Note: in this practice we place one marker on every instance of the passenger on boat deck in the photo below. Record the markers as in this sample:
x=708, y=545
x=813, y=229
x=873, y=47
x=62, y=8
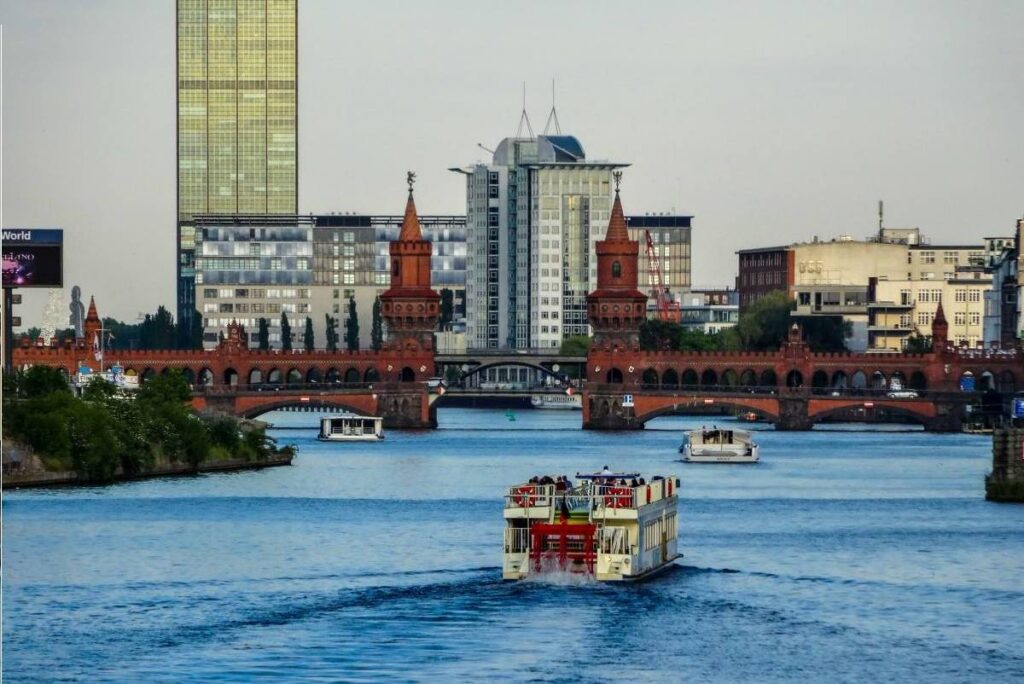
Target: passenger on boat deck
x=605, y=471
x=642, y=483
x=534, y=480
x=560, y=484
x=634, y=483
x=567, y=481
x=546, y=480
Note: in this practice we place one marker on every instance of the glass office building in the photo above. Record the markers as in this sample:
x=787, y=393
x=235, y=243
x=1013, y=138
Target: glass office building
x=237, y=123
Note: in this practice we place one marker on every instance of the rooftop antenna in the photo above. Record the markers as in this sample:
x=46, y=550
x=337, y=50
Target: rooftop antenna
x=881, y=209
x=485, y=149
x=553, y=116
x=524, y=118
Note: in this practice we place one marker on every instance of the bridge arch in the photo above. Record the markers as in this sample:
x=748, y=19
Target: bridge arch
x=649, y=378
x=878, y=380
x=189, y=375
x=230, y=377
x=918, y=381
x=748, y=378
x=614, y=376
x=690, y=378
x=729, y=378
x=765, y=407
x=894, y=407
x=670, y=378
x=332, y=376
x=859, y=380
x=819, y=380
x=352, y=376
x=839, y=380
x=987, y=381
x=206, y=377
x=794, y=378
x=480, y=367
x=709, y=378
x=1007, y=383
x=897, y=378
x=274, y=376
x=407, y=375
x=769, y=379
x=329, y=406
x=371, y=375
x=294, y=377
x=314, y=376
x=255, y=376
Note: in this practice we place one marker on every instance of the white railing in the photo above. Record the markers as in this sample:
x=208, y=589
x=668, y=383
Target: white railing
x=517, y=540
x=528, y=496
x=613, y=540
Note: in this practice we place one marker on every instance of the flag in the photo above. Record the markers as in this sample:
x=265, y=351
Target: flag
x=97, y=349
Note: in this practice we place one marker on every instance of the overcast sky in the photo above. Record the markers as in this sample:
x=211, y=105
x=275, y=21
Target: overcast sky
x=769, y=122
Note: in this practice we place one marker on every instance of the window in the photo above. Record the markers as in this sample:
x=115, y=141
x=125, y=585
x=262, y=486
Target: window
x=974, y=295
x=927, y=257
x=975, y=318
x=350, y=237
x=616, y=269
x=349, y=279
x=959, y=318
x=209, y=293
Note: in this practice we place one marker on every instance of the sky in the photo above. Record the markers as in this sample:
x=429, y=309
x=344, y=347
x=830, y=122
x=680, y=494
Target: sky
x=769, y=122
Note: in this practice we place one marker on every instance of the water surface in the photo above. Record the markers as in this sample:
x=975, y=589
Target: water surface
x=845, y=555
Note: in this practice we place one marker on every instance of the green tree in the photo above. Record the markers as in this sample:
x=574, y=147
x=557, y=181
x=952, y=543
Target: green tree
x=33, y=333
x=332, y=332
x=157, y=331
x=377, y=331
x=576, y=345
x=918, y=344
x=824, y=333
x=40, y=381
x=263, y=334
x=447, y=307
x=698, y=340
x=658, y=335
x=352, y=327
x=167, y=388
x=764, y=325
x=286, y=332
x=308, y=343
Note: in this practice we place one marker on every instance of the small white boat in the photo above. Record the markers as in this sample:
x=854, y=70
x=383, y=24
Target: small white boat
x=349, y=427
x=612, y=527
x=719, y=445
x=567, y=402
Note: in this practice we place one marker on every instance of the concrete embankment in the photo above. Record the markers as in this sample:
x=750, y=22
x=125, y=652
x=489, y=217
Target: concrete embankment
x=13, y=479
x=1006, y=481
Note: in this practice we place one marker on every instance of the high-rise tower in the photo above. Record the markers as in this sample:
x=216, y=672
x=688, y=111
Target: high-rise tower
x=237, y=126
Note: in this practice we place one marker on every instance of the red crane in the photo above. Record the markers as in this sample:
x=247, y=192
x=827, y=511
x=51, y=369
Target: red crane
x=668, y=308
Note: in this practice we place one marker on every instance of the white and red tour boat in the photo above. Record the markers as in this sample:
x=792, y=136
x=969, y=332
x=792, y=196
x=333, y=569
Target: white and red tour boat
x=610, y=526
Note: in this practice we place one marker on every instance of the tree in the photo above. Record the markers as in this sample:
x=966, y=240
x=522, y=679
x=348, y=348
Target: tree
x=33, y=333
x=166, y=388
x=698, y=340
x=307, y=337
x=40, y=381
x=189, y=333
x=377, y=331
x=764, y=325
x=352, y=327
x=332, y=332
x=263, y=334
x=447, y=307
x=577, y=345
x=286, y=332
x=825, y=333
x=918, y=344
x=157, y=331
x=658, y=335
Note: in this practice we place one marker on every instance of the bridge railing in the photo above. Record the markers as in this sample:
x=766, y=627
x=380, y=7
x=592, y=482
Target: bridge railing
x=322, y=387
x=772, y=390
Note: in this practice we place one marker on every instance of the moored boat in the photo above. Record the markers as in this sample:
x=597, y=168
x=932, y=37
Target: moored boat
x=566, y=402
x=719, y=445
x=609, y=526
x=349, y=427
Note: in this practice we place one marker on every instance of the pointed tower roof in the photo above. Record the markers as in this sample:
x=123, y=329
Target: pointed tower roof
x=92, y=315
x=940, y=316
x=411, y=221
x=617, y=223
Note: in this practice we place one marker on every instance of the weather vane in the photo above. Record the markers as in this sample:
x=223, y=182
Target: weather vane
x=618, y=179
x=410, y=178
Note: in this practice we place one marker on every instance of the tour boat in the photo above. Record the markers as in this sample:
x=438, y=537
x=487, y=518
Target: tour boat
x=349, y=427
x=608, y=526
x=719, y=445
x=557, y=401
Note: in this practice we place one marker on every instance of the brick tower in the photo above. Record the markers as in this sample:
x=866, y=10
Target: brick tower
x=940, y=331
x=410, y=308
x=93, y=324
x=617, y=308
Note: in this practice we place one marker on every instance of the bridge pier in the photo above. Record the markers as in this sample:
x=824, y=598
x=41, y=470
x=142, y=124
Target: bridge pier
x=948, y=417
x=793, y=415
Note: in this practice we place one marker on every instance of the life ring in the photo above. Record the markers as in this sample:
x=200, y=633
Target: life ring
x=525, y=496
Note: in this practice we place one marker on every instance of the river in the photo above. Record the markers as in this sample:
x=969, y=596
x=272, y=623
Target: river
x=859, y=554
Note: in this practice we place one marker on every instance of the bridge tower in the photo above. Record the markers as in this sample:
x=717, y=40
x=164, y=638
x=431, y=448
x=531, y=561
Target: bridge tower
x=940, y=331
x=410, y=308
x=617, y=308
x=93, y=324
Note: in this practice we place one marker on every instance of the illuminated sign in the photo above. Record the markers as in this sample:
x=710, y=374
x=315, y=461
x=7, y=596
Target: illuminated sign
x=33, y=257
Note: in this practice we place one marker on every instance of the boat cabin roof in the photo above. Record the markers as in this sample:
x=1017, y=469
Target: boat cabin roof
x=604, y=476
x=349, y=416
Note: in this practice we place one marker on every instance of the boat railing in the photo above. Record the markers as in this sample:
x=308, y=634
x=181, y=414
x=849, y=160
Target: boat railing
x=529, y=496
x=616, y=496
x=517, y=539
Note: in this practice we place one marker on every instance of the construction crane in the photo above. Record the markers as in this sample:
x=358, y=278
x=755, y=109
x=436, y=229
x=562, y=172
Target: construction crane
x=668, y=308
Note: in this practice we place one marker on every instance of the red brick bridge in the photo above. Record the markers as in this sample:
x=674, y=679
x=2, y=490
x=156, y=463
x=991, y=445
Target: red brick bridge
x=792, y=387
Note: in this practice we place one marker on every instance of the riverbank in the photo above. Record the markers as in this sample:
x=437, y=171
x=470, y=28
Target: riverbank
x=41, y=478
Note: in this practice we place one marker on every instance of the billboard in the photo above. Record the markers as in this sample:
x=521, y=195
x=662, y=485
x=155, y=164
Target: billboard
x=33, y=257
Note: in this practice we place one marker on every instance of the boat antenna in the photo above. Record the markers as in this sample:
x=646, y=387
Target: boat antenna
x=553, y=116
x=524, y=118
